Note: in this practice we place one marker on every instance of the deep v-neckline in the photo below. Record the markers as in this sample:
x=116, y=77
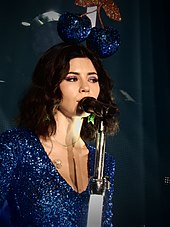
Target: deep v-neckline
x=58, y=173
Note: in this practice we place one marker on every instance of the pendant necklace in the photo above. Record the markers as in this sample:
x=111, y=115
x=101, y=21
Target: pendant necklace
x=57, y=162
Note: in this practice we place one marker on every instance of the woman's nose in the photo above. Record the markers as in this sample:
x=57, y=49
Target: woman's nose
x=84, y=86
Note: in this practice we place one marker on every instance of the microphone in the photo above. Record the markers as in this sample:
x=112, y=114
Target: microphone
x=92, y=105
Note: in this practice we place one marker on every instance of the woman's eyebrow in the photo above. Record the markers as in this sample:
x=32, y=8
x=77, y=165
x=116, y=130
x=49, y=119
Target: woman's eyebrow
x=76, y=73
x=92, y=73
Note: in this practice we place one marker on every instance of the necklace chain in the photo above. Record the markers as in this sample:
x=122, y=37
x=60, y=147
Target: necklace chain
x=64, y=145
x=58, y=162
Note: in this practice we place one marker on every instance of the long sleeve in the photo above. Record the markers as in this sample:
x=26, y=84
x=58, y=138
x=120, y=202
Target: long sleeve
x=108, y=200
x=8, y=163
x=36, y=193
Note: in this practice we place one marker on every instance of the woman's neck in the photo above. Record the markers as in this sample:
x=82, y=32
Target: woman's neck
x=68, y=129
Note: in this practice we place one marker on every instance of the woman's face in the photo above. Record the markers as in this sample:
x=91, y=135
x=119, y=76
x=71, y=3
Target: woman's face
x=81, y=81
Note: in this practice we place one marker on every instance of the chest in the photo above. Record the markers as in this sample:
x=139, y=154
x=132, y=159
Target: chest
x=45, y=199
x=72, y=164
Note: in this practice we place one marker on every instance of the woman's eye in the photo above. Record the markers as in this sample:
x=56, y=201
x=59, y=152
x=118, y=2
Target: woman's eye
x=93, y=79
x=71, y=78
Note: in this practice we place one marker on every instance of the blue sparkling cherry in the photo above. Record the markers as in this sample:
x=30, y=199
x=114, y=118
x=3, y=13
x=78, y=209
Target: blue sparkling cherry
x=73, y=27
x=104, y=41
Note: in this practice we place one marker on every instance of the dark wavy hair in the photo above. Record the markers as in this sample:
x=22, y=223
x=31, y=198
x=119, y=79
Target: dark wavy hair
x=37, y=106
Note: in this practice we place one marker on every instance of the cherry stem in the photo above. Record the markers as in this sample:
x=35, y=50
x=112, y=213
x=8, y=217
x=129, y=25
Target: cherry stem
x=99, y=14
x=88, y=13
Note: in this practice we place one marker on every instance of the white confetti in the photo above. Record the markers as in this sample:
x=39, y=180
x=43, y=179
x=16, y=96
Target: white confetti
x=25, y=24
x=50, y=16
x=127, y=96
x=43, y=18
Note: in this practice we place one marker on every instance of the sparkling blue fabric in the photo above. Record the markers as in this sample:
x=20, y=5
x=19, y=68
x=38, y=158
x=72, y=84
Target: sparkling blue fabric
x=73, y=28
x=36, y=193
x=105, y=42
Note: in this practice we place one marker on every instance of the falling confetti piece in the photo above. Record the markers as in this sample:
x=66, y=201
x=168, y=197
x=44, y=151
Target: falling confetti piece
x=43, y=18
x=26, y=24
x=127, y=96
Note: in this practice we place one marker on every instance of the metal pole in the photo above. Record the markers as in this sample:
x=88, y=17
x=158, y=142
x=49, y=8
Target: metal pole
x=99, y=183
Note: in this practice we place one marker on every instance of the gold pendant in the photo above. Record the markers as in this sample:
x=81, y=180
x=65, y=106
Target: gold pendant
x=58, y=163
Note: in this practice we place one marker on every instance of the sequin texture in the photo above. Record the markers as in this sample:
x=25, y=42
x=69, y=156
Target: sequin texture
x=73, y=27
x=104, y=41
x=37, y=194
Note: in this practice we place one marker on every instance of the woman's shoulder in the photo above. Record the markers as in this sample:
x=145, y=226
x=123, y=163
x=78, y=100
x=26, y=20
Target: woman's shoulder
x=17, y=142
x=14, y=132
x=14, y=135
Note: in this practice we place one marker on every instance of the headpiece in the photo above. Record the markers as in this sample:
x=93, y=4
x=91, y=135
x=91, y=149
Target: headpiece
x=76, y=28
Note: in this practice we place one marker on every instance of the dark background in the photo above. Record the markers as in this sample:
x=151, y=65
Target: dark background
x=140, y=68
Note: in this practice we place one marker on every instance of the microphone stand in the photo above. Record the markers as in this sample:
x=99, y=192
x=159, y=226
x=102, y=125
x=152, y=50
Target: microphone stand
x=99, y=183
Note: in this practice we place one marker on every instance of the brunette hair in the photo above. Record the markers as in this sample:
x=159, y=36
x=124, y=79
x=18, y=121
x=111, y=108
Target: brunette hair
x=37, y=107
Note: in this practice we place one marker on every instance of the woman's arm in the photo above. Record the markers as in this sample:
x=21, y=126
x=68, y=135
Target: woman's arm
x=108, y=199
x=8, y=162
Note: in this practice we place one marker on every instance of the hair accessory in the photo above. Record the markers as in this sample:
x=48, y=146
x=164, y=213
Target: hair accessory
x=75, y=28
x=110, y=8
x=91, y=118
x=104, y=41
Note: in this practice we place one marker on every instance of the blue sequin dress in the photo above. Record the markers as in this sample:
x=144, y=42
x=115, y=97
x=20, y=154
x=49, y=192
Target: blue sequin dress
x=37, y=195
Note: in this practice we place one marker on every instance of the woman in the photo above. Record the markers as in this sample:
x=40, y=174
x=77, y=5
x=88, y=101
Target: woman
x=46, y=162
